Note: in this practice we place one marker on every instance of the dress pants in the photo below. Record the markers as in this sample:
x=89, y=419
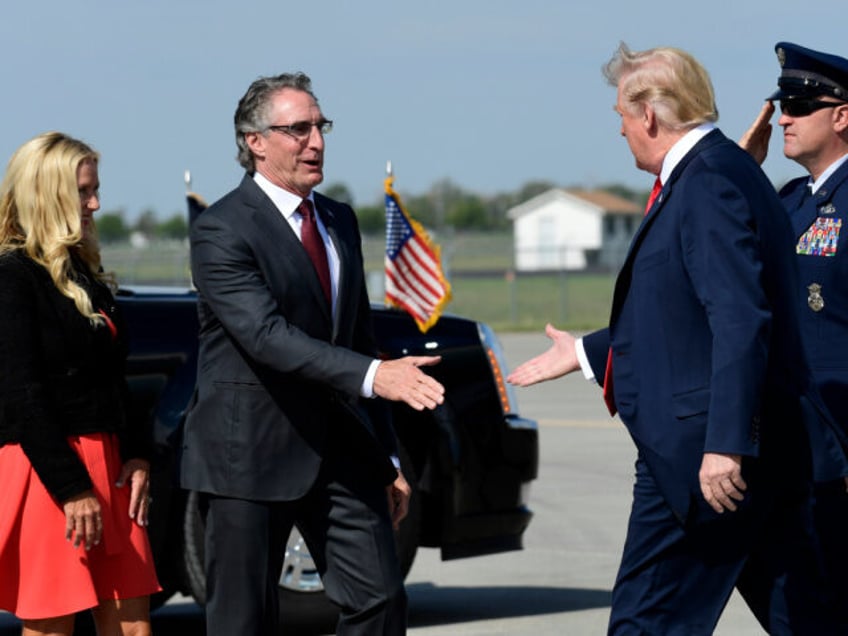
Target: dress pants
x=345, y=522
x=675, y=579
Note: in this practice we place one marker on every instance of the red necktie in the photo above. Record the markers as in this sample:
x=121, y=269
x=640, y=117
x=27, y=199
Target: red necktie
x=654, y=193
x=314, y=246
x=609, y=393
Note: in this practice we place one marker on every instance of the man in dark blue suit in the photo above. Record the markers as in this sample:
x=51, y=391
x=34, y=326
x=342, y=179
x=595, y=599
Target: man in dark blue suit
x=703, y=361
x=813, y=96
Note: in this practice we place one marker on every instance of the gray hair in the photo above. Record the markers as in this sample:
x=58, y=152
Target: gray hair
x=253, y=111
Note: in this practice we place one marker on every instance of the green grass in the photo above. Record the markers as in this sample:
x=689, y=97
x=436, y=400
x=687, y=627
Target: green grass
x=466, y=251
x=569, y=301
x=476, y=265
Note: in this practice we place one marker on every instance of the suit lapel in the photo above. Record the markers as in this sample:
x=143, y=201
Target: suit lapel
x=622, y=283
x=275, y=229
x=329, y=217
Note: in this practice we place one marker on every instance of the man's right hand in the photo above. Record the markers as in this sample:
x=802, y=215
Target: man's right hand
x=402, y=381
x=556, y=362
x=756, y=138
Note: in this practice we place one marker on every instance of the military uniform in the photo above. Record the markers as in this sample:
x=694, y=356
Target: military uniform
x=820, y=222
x=819, y=217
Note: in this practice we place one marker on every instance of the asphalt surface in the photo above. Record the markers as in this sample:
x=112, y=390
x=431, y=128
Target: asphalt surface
x=560, y=584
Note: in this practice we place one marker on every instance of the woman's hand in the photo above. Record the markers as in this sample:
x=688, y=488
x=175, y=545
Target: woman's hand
x=137, y=472
x=83, y=519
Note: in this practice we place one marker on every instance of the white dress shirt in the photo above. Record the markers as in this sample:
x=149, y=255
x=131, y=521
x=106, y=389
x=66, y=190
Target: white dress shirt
x=287, y=203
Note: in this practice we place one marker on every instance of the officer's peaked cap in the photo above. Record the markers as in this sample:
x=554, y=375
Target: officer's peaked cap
x=806, y=73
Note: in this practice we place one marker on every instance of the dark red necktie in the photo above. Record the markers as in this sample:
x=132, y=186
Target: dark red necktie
x=314, y=246
x=609, y=393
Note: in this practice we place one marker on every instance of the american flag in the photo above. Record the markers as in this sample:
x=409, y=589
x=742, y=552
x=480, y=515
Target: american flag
x=414, y=278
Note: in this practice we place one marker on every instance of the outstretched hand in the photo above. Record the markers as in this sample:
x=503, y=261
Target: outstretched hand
x=756, y=138
x=402, y=381
x=556, y=362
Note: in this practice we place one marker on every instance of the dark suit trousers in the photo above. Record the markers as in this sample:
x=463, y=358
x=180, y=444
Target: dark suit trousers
x=676, y=579
x=346, y=525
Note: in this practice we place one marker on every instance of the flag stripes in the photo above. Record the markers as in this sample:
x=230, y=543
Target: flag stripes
x=414, y=278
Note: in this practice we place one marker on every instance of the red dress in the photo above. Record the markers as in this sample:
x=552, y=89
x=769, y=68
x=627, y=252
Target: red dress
x=42, y=575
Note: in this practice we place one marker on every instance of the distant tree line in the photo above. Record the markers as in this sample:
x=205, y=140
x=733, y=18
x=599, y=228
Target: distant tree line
x=445, y=205
x=112, y=227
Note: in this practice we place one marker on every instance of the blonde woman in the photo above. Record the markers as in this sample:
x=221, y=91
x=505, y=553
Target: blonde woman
x=73, y=465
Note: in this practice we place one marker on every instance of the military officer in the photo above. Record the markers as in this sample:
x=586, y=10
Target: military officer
x=813, y=99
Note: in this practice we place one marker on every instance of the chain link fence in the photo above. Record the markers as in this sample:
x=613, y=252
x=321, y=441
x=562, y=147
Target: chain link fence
x=479, y=267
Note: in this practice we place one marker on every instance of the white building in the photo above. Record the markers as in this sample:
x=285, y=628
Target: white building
x=573, y=229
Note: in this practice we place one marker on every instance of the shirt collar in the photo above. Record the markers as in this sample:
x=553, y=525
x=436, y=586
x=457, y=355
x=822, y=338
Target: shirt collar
x=681, y=147
x=286, y=202
x=815, y=185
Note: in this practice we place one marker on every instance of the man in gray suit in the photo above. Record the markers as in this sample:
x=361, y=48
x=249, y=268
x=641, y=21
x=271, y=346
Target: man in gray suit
x=282, y=429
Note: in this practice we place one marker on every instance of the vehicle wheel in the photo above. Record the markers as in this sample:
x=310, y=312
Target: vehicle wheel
x=302, y=600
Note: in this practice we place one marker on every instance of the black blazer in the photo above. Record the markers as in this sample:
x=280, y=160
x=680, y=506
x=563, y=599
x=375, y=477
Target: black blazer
x=276, y=373
x=59, y=375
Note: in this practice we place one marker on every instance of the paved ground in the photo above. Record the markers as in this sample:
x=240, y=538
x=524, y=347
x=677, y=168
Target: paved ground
x=560, y=583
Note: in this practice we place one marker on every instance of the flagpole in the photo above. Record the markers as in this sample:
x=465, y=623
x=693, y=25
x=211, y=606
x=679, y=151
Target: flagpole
x=387, y=185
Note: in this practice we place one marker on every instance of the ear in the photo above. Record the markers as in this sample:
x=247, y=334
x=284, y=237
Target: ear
x=840, y=118
x=649, y=119
x=256, y=142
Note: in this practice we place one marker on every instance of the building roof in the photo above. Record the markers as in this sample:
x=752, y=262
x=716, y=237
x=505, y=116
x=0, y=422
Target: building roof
x=600, y=200
x=609, y=202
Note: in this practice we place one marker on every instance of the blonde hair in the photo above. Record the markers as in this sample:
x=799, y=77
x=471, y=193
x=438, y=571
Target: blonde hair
x=40, y=212
x=673, y=82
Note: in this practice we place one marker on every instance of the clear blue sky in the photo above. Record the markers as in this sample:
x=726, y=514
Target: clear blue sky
x=488, y=93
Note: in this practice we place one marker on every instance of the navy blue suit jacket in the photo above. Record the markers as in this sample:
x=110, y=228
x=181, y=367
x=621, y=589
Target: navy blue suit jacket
x=706, y=348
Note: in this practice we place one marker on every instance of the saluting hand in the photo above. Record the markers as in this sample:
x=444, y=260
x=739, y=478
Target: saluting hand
x=756, y=138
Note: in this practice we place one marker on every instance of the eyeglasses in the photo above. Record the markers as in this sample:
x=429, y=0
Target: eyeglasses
x=804, y=107
x=301, y=130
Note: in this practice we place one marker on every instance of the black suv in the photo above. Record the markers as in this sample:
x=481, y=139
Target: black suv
x=470, y=461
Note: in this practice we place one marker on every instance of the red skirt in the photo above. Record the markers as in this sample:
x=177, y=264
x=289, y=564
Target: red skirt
x=42, y=575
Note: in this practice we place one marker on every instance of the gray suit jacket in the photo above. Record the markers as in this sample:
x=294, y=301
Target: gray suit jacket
x=276, y=373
